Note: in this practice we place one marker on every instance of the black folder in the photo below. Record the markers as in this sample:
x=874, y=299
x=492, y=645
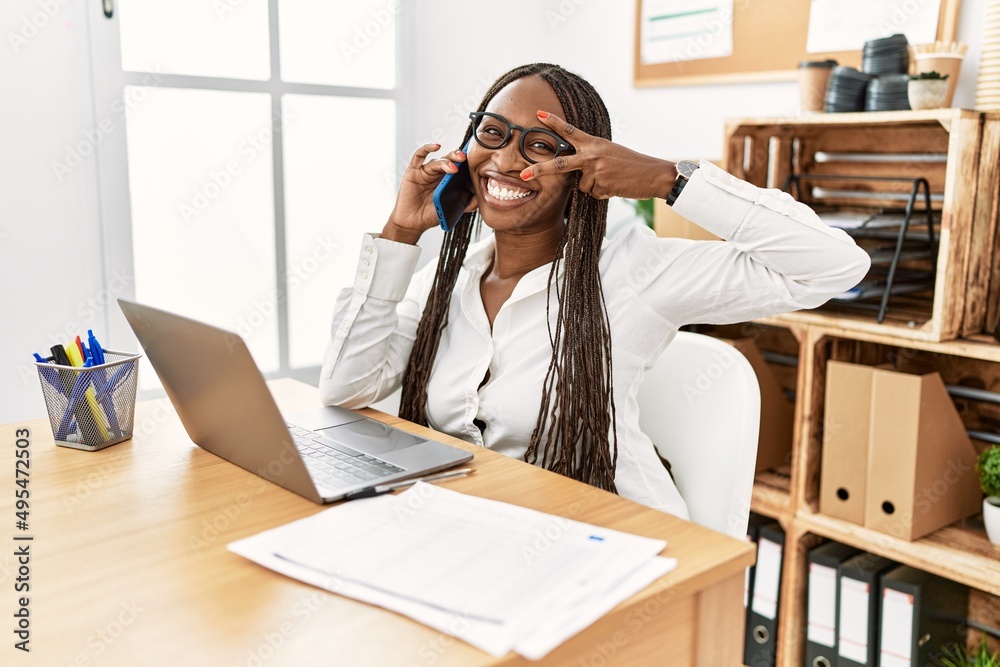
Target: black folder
x=921, y=613
x=858, y=597
x=761, y=641
x=821, y=634
x=753, y=531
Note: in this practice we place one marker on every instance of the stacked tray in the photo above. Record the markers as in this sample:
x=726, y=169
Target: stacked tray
x=888, y=93
x=846, y=90
x=888, y=55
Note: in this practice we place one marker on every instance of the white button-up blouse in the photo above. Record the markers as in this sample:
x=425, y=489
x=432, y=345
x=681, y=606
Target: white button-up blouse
x=776, y=256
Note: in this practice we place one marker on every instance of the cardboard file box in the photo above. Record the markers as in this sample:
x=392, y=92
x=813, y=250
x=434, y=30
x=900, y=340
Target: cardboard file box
x=845, y=441
x=896, y=455
x=921, y=462
x=777, y=413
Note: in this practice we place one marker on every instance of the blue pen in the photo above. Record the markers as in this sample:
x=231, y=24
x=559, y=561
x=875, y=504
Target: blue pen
x=103, y=387
x=75, y=395
x=49, y=374
x=95, y=348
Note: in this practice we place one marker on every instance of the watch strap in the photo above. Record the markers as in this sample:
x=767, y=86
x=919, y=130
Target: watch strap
x=685, y=169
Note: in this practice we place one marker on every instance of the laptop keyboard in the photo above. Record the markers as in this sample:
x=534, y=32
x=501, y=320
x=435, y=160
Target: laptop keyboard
x=336, y=466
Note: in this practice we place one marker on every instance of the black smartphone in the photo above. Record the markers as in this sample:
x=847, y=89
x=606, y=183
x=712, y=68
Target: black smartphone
x=454, y=193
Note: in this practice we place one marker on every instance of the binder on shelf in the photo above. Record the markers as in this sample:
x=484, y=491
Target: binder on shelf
x=844, y=476
x=921, y=613
x=916, y=433
x=821, y=596
x=761, y=641
x=753, y=534
x=858, y=609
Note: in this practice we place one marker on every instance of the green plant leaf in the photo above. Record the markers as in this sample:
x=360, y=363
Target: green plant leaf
x=644, y=209
x=988, y=466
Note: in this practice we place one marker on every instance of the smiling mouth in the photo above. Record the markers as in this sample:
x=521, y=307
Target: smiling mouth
x=506, y=192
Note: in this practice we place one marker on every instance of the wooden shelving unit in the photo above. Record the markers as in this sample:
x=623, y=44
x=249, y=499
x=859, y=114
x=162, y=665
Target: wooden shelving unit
x=958, y=151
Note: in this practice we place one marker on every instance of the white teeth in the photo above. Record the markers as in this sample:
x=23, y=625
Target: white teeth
x=504, y=193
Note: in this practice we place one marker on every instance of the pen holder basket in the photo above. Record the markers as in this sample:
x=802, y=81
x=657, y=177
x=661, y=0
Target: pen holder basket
x=91, y=408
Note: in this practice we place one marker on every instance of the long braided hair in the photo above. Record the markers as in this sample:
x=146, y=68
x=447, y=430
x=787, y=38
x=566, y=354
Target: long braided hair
x=575, y=432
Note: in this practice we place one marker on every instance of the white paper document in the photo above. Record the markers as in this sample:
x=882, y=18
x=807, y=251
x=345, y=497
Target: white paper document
x=845, y=25
x=497, y=576
x=680, y=30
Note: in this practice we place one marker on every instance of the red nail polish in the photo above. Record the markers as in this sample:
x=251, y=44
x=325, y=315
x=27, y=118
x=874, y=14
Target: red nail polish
x=543, y=114
x=526, y=174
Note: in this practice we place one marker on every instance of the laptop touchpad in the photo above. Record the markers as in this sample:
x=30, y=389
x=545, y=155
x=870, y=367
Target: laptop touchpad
x=371, y=437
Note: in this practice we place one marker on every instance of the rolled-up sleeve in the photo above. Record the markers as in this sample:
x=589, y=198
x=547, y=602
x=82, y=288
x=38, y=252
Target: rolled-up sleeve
x=776, y=256
x=374, y=325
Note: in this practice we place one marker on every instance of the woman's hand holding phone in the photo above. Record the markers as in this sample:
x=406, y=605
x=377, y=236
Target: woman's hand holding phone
x=414, y=211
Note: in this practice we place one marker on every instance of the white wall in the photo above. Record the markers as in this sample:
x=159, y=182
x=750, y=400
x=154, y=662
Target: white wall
x=595, y=39
x=51, y=276
x=51, y=281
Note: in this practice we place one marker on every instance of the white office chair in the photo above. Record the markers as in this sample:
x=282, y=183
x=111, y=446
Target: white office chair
x=700, y=404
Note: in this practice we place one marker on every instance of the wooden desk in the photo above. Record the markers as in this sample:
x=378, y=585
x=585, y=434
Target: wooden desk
x=129, y=566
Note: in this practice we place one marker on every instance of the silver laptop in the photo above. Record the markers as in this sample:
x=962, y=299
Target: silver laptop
x=227, y=409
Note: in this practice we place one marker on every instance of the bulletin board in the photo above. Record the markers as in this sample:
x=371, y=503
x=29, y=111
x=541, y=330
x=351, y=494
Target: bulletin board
x=768, y=43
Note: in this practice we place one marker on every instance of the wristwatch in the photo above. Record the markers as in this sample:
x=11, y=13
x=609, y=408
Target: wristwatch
x=685, y=169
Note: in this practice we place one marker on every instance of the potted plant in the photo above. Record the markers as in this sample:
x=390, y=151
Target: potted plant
x=927, y=90
x=989, y=478
x=643, y=210
x=955, y=655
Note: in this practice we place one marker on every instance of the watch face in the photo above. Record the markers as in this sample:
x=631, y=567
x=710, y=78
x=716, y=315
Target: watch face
x=686, y=168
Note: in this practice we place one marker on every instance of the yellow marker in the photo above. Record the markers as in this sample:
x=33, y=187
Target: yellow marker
x=73, y=352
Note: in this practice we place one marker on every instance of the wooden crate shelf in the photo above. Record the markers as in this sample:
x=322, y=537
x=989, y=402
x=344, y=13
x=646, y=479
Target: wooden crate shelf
x=956, y=150
x=959, y=552
x=952, y=331
x=772, y=494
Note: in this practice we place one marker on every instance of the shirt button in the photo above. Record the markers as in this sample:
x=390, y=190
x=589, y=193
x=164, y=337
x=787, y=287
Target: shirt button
x=364, y=276
x=368, y=248
x=366, y=262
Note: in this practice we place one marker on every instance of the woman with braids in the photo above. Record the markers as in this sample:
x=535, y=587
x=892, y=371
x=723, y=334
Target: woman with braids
x=533, y=341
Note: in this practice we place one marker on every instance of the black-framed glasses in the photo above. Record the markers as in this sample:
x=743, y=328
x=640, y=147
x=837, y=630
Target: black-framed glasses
x=536, y=143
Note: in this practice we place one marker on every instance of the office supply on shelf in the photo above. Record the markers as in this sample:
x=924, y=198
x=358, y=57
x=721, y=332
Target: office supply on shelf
x=821, y=633
x=223, y=402
x=917, y=433
x=761, y=644
x=451, y=560
x=844, y=474
x=858, y=603
x=753, y=535
x=894, y=280
x=921, y=613
x=380, y=489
